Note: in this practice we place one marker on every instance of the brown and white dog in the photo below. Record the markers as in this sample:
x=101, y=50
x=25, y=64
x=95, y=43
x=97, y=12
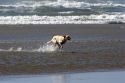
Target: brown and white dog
x=59, y=40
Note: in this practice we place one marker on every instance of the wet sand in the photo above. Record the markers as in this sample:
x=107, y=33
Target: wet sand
x=93, y=48
x=96, y=77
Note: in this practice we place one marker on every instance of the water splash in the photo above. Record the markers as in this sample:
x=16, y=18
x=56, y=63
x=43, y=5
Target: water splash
x=47, y=48
x=19, y=49
x=43, y=48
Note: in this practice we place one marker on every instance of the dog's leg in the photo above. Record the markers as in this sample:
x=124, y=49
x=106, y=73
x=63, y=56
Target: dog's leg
x=59, y=45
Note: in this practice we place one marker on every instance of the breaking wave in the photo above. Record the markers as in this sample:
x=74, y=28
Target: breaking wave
x=84, y=19
x=62, y=12
x=55, y=7
x=63, y=3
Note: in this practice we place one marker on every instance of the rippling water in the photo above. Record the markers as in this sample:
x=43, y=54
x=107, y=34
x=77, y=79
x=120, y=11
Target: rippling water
x=23, y=48
x=103, y=10
x=60, y=7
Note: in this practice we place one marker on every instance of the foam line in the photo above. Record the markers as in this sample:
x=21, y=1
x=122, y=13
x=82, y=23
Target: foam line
x=63, y=3
x=85, y=19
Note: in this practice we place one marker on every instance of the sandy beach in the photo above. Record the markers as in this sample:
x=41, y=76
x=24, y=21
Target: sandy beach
x=98, y=77
x=95, y=53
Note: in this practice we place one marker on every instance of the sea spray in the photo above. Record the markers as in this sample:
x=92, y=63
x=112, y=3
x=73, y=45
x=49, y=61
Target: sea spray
x=47, y=48
x=19, y=49
x=43, y=48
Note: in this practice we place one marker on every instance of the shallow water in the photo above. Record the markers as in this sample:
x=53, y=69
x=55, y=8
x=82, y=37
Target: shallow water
x=92, y=47
x=96, y=77
x=75, y=56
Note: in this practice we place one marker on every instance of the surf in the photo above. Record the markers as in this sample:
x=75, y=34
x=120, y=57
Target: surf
x=84, y=19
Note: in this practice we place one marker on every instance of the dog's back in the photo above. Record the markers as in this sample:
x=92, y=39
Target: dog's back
x=59, y=40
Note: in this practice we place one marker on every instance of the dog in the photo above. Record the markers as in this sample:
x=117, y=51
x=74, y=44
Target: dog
x=59, y=40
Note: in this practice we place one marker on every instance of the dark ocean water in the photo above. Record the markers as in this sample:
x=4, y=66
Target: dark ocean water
x=103, y=10
x=60, y=7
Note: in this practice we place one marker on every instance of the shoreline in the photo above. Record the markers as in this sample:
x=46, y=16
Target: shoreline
x=89, y=77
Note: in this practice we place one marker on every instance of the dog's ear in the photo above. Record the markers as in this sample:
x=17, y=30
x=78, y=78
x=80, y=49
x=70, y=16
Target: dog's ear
x=67, y=37
x=64, y=36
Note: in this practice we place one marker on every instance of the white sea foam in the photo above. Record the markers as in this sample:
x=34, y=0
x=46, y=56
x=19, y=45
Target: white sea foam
x=63, y=3
x=68, y=12
x=19, y=49
x=85, y=19
x=12, y=49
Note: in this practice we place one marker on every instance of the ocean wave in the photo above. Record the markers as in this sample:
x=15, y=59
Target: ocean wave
x=84, y=19
x=65, y=4
x=67, y=12
x=60, y=7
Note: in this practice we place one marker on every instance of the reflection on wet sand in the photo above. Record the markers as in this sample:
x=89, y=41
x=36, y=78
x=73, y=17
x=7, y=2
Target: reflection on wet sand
x=91, y=77
x=60, y=78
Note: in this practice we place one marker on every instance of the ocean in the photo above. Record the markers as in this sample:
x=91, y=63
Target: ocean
x=62, y=11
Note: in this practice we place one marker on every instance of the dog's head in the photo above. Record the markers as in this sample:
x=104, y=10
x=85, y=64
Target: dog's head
x=67, y=37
